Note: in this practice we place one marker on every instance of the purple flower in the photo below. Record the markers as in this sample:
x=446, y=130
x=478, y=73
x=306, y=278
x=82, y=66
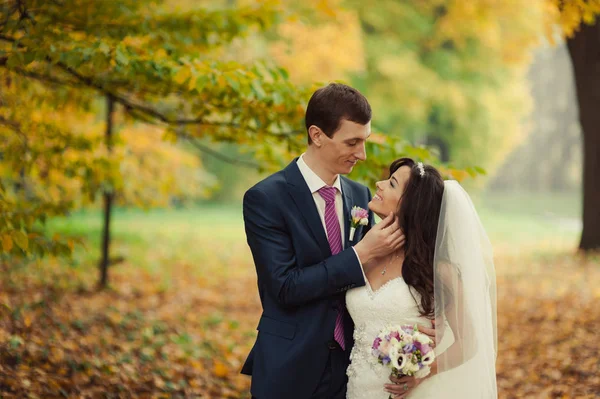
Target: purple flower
x=359, y=213
x=376, y=343
x=408, y=329
x=395, y=334
x=386, y=360
x=409, y=348
x=425, y=349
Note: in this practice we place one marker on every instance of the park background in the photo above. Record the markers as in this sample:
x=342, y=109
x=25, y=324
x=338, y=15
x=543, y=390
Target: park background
x=129, y=131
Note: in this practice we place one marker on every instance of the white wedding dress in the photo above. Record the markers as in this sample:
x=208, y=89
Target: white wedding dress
x=465, y=298
x=392, y=304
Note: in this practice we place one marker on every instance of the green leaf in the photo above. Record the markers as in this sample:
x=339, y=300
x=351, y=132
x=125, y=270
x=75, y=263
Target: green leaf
x=471, y=171
x=13, y=60
x=235, y=85
x=28, y=57
x=170, y=136
x=201, y=82
x=258, y=90
x=121, y=57
x=20, y=239
x=104, y=48
x=15, y=341
x=284, y=73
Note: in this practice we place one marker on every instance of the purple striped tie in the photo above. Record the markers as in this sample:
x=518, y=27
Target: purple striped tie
x=334, y=236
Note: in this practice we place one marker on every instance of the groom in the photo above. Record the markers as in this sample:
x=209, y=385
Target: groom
x=297, y=225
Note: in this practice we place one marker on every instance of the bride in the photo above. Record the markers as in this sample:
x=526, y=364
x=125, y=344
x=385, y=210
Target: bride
x=443, y=277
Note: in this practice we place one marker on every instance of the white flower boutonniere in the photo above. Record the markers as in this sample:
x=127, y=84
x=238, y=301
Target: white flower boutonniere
x=360, y=217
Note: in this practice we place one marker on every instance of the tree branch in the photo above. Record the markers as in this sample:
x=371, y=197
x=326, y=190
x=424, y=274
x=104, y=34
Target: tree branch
x=17, y=129
x=128, y=104
x=8, y=39
x=199, y=146
x=219, y=156
x=47, y=78
x=12, y=124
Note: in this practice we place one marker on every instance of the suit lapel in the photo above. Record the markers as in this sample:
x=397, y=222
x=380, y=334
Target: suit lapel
x=347, y=196
x=303, y=198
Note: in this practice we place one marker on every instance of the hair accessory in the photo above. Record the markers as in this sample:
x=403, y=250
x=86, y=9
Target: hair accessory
x=421, y=169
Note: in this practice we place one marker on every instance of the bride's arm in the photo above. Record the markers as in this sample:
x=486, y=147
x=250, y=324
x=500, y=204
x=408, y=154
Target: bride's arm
x=460, y=321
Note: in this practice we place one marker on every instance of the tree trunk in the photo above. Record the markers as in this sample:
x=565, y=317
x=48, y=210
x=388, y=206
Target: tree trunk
x=584, y=49
x=108, y=200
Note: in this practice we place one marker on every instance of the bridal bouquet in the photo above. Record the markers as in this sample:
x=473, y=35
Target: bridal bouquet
x=405, y=350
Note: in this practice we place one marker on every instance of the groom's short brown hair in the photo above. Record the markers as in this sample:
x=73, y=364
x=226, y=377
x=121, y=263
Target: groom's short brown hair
x=334, y=102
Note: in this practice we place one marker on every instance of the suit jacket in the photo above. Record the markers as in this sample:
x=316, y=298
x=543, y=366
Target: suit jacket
x=299, y=282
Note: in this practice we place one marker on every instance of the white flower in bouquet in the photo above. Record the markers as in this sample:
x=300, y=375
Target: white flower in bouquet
x=405, y=350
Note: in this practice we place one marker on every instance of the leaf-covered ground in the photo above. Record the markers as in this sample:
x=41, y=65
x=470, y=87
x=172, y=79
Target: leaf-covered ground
x=182, y=310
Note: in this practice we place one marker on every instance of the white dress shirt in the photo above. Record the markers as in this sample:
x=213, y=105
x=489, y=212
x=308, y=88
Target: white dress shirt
x=315, y=183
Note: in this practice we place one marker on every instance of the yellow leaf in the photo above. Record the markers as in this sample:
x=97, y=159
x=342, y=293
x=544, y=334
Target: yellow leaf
x=159, y=382
x=182, y=75
x=161, y=53
x=378, y=138
x=220, y=369
x=7, y=243
x=192, y=83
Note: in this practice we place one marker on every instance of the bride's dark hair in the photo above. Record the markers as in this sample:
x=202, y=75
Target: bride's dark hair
x=418, y=214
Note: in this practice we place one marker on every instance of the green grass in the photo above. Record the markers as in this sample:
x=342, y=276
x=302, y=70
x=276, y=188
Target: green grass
x=155, y=238
x=547, y=205
x=524, y=220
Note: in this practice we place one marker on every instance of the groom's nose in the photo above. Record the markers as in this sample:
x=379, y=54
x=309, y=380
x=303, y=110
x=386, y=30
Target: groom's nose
x=361, y=153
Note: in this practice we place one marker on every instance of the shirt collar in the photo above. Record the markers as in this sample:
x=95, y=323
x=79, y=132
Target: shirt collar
x=315, y=183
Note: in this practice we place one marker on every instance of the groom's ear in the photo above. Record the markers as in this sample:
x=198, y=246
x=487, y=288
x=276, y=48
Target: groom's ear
x=316, y=135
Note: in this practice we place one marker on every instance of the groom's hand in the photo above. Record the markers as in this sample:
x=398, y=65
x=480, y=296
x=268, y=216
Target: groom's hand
x=383, y=238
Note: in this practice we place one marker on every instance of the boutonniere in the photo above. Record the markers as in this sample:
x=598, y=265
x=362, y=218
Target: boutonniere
x=359, y=217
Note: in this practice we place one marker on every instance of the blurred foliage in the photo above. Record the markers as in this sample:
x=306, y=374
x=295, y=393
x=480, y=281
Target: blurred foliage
x=163, y=66
x=449, y=73
x=232, y=179
x=184, y=330
x=569, y=16
x=328, y=49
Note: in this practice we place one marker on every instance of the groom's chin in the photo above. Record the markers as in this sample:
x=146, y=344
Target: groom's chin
x=347, y=170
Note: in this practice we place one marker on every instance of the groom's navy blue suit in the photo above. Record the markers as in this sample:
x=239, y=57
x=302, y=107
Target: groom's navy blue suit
x=299, y=283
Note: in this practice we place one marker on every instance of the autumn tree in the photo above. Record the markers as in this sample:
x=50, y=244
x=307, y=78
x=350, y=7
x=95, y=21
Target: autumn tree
x=449, y=73
x=336, y=47
x=580, y=25
x=134, y=62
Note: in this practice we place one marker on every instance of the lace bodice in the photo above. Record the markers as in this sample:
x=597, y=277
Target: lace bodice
x=371, y=311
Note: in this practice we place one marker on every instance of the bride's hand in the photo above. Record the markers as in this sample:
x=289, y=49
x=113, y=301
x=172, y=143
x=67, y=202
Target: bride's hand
x=402, y=386
x=430, y=332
